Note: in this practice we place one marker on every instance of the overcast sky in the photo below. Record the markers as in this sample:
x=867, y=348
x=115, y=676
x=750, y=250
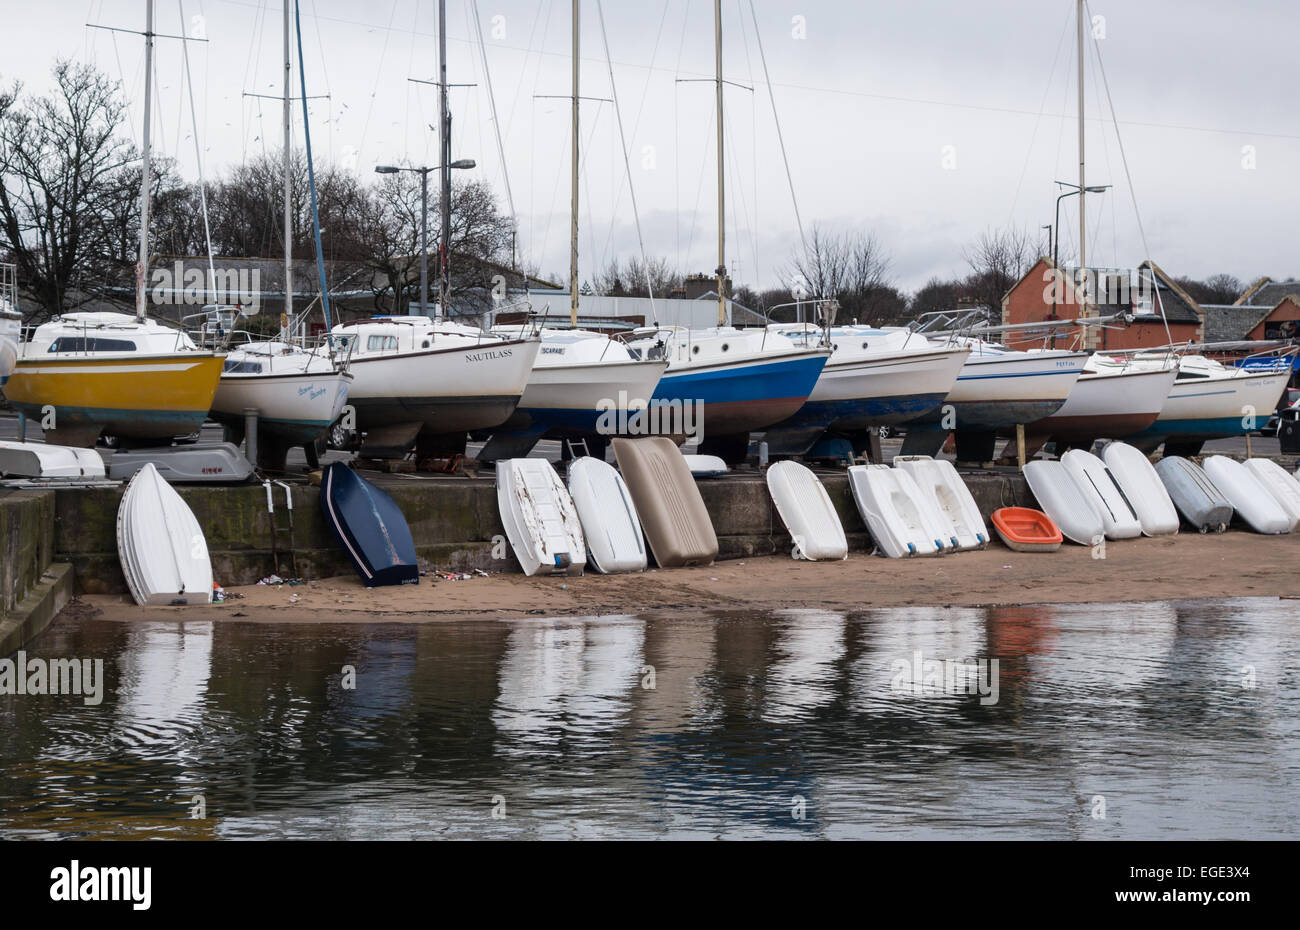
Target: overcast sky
x=926, y=122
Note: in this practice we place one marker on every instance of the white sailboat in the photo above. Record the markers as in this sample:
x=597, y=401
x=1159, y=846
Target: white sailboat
x=873, y=378
x=429, y=380
x=296, y=394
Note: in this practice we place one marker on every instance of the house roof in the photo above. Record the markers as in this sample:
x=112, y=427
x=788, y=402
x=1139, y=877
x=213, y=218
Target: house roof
x=1231, y=322
x=1271, y=293
x=1178, y=305
x=1227, y=322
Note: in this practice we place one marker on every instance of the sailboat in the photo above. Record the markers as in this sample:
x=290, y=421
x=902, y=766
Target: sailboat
x=296, y=393
x=430, y=380
x=11, y=321
x=582, y=380
x=873, y=378
x=1207, y=400
x=89, y=373
x=740, y=380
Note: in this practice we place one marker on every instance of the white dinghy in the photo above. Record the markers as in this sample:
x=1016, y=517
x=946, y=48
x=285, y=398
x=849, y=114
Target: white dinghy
x=1146, y=493
x=1061, y=498
x=939, y=479
x=1118, y=519
x=539, y=518
x=1248, y=495
x=610, y=524
x=902, y=521
x=1284, y=488
x=1194, y=494
x=163, y=552
x=46, y=460
x=807, y=512
x=705, y=466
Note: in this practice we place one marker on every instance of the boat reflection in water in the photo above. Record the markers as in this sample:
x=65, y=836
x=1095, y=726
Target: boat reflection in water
x=723, y=723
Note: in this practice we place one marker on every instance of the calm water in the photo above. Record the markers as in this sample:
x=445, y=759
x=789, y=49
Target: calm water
x=793, y=724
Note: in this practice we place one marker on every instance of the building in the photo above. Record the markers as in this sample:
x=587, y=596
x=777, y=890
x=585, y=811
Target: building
x=1153, y=309
x=1237, y=322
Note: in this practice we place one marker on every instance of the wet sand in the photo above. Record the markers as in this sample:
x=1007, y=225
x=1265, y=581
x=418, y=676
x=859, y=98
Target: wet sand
x=1235, y=564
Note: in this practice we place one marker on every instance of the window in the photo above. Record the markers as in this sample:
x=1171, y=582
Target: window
x=242, y=368
x=381, y=344
x=91, y=344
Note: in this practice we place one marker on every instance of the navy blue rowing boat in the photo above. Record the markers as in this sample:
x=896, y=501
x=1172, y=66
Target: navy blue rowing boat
x=370, y=528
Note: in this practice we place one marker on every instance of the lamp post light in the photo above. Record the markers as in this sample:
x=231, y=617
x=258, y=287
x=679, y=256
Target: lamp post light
x=463, y=163
x=1056, y=226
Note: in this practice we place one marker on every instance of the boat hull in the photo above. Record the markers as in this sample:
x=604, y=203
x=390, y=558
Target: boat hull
x=148, y=397
x=298, y=407
x=581, y=398
x=370, y=528
x=995, y=392
x=1111, y=406
x=445, y=390
x=738, y=397
x=1204, y=409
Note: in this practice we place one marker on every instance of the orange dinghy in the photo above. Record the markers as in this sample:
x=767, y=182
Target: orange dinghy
x=1026, y=530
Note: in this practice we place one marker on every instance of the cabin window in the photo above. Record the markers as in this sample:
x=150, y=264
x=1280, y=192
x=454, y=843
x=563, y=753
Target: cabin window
x=696, y=350
x=425, y=344
x=91, y=344
x=725, y=347
x=381, y=344
x=242, y=368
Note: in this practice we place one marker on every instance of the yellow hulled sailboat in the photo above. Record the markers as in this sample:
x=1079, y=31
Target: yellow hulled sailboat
x=84, y=374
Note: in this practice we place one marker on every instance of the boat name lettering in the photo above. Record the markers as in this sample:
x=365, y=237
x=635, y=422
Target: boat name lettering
x=489, y=355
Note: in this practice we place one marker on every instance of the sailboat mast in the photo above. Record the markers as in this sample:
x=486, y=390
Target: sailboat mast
x=722, y=197
x=142, y=267
x=1083, y=242
x=288, y=180
x=573, y=179
x=444, y=282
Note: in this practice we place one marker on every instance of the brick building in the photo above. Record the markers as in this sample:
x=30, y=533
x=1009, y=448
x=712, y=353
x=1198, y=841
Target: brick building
x=1048, y=292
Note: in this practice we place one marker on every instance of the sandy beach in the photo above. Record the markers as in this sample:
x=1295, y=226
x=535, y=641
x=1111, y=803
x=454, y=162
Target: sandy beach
x=1188, y=565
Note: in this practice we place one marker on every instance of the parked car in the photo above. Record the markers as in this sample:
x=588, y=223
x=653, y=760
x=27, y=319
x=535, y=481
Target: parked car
x=1290, y=399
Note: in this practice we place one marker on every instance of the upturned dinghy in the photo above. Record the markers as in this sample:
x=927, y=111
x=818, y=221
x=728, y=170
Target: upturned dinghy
x=807, y=512
x=902, y=521
x=1098, y=485
x=1194, y=495
x=1063, y=500
x=1249, y=497
x=1026, y=530
x=1137, y=478
x=609, y=521
x=540, y=519
x=677, y=526
x=163, y=552
x=1284, y=488
x=370, y=528
x=46, y=460
x=939, y=479
x=705, y=466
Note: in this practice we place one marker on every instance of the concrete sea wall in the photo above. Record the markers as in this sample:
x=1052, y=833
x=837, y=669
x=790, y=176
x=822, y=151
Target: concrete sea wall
x=33, y=588
x=453, y=520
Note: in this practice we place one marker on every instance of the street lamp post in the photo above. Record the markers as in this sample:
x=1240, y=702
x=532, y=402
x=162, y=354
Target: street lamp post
x=1056, y=227
x=424, y=218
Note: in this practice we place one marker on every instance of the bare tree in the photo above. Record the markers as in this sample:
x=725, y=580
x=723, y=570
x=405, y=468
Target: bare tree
x=852, y=267
x=62, y=163
x=636, y=278
x=998, y=259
